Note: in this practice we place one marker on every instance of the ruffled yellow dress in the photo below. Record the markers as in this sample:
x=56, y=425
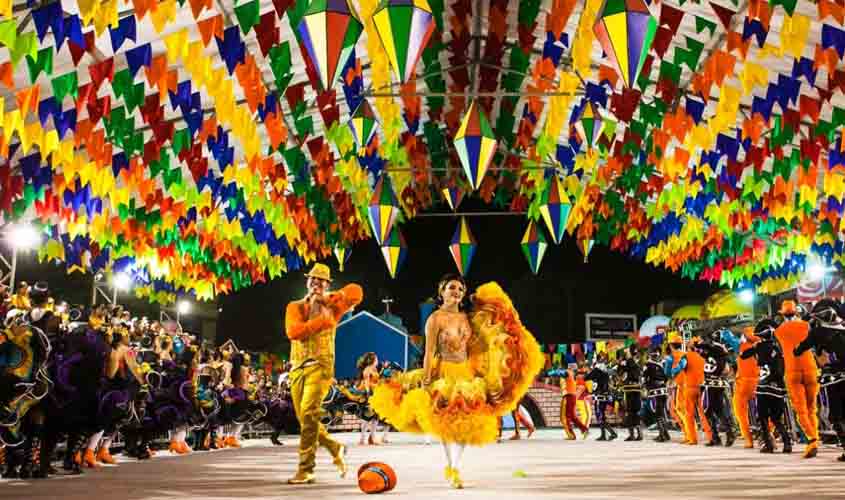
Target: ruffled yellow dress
x=465, y=400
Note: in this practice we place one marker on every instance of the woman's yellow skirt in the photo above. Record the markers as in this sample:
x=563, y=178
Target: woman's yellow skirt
x=465, y=400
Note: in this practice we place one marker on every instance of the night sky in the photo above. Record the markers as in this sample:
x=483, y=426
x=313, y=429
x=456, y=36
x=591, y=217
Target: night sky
x=552, y=305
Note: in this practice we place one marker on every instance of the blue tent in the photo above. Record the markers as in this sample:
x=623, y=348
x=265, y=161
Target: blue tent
x=364, y=332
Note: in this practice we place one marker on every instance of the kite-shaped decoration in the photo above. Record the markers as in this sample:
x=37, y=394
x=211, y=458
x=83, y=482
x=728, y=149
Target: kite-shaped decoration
x=363, y=125
x=453, y=195
x=394, y=250
x=475, y=144
x=585, y=245
x=534, y=246
x=328, y=32
x=625, y=29
x=383, y=209
x=404, y=27
x=555, y=208
x=463, y=247
x=590, y=125
x=342, y=253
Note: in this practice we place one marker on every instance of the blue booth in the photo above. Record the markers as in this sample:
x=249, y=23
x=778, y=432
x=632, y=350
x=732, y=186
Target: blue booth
x=363, y=332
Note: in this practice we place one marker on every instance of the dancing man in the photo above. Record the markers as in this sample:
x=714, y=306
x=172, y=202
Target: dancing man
x=771, y=392
x=747, y=375
x=310, y=325
x=827, y=339
x=654, y=380
x=801, y=374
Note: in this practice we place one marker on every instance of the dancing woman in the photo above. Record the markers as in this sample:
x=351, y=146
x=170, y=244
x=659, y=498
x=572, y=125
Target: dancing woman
x=477, y=367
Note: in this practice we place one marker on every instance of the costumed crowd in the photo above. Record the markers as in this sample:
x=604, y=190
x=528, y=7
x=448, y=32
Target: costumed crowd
x=781, y=379
x=80, y=377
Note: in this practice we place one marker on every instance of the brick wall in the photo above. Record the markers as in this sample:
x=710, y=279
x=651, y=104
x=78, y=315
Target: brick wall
x=547, y=399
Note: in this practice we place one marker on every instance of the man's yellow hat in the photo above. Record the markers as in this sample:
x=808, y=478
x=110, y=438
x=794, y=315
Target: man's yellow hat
x=675, y=338
x=320, y=271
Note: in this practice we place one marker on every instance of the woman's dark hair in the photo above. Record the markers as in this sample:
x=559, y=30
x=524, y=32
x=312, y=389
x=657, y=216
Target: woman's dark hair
x=365, y=361
x=438, y=299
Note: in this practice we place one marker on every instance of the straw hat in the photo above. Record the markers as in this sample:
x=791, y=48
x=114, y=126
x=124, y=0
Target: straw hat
x=320, y=271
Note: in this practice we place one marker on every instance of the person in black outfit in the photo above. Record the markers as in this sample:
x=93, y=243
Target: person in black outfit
x=632, y=390
x=771, y=390
x=600, y=376
x=654, y=381
x=827, y=339
x=715, y=388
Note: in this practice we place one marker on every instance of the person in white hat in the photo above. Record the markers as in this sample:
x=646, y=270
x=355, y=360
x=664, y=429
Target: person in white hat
x=310, y=325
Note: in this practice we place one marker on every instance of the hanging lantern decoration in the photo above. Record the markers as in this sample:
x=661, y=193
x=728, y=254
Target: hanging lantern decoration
x=383, y=209
x=585, y=245
x=555, y=208
x=590, y=125
x=476, y=144
x=328, y=32
x=625, y=29
x=363, y=125
x=534, y=246
x=404, y=27
x=394, y=250
x=463, y=247
x=342, y=253
x=453, y=195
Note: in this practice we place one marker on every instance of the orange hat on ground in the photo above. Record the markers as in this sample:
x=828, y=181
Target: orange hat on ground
x=376, y=477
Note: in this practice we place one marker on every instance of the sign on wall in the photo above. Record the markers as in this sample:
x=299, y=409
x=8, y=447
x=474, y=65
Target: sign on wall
x=610, y=326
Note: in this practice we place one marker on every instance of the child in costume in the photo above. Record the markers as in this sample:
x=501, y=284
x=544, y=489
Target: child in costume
x=568, y=417
x=477, y=367
x=368, y=366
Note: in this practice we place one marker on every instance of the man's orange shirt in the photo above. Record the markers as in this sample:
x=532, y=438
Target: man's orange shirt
x=694, y=369
x=789, y=335
x=680, y=378
x=568, y=383
x=747, y=368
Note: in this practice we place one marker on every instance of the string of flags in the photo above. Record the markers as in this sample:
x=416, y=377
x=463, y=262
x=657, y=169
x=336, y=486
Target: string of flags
x=154, y=143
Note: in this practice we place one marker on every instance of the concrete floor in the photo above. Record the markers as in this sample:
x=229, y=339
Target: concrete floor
x=552, y=468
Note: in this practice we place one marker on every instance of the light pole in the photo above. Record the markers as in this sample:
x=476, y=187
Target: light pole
x=21, y=237
x=747, y=297
x=183, y=307
x=120, y=282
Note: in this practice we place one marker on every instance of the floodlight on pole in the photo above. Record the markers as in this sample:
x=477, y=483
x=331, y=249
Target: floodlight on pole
x=120, y=282
x=182, y=307
x=21, y=237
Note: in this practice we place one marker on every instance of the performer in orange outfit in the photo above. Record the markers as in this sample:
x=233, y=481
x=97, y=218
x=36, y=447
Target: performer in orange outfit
x=747, y=375
x=567, y=405
x=692, y=364
x=801, y=374
x=310, y=325
x=677, y=407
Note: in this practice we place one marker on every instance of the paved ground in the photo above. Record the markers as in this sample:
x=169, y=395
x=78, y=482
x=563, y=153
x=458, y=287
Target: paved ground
x=552, y=469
